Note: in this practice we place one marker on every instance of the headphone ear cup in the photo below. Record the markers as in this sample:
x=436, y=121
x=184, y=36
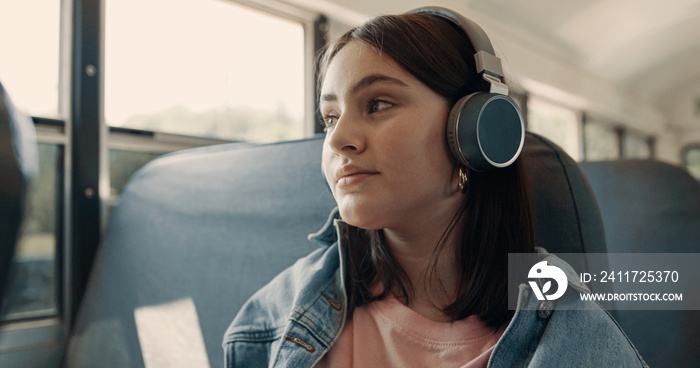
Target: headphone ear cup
x=485, y=131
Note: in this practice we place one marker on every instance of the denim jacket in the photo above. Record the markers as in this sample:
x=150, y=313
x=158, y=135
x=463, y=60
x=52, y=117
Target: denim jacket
x=295, y=319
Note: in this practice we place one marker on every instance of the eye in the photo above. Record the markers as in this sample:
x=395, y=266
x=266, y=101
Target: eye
x=378, y=105
x=329, y=121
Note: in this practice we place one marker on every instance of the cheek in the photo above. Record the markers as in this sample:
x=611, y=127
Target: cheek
x=427, y=147
x=325, y=162
x=431, y=158
x=327, y=166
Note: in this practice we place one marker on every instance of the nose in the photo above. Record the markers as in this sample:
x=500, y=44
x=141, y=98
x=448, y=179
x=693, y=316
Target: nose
x=346, y=136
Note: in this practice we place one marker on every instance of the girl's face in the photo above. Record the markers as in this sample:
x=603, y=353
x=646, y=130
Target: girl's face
x=385, y=155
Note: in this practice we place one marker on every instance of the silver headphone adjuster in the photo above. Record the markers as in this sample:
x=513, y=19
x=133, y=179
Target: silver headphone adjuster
x=496, y=85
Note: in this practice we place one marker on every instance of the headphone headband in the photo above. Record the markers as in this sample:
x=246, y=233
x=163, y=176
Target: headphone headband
x=487, y=63
x=485, y=130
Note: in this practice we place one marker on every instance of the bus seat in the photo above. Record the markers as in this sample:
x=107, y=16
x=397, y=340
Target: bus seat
x=652, y=207
x=19, y=161
x=203, y=229
x=196, y=233
x=566, y=214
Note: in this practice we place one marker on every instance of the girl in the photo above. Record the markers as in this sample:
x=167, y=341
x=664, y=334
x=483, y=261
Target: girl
x=413, y=267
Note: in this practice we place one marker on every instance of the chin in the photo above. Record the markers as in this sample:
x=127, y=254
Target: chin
x=364, y=219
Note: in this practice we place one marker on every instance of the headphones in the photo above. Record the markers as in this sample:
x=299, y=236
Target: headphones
x=485, y=130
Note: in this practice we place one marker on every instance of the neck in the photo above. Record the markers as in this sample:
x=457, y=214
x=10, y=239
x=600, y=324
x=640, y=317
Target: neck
x=417, y=251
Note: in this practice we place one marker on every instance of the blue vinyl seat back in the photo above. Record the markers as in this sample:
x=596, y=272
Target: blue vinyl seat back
x=213, y=225
x=652, y=207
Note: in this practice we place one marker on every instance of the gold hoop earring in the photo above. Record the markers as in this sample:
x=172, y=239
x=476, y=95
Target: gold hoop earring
x=463, y=180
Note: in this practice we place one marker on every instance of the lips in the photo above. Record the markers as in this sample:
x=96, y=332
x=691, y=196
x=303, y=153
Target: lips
x=351, y=175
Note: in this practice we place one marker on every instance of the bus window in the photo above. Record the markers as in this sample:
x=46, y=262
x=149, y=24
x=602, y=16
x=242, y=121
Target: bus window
x=29, y=65
x=635, y=146
x=556, y=123
x=33, y=284
x=601, y=141
x=691, y=160
x=209, y=68
x=29, y=70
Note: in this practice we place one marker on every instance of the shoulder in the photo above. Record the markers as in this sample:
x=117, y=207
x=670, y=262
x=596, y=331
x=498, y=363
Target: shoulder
x=266, y=313
x=566, y=332
x=584, y=332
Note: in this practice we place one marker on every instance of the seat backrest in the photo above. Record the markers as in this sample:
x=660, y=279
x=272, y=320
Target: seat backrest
x=566, y=214
x=207, y=226
x=652, y=207
x=196, y=233
x=18, y=163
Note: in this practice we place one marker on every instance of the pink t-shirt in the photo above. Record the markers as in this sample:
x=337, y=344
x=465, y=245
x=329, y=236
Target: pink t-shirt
x=387, y=333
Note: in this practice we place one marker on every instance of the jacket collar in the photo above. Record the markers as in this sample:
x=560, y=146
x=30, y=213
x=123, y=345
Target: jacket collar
x=571, y=275
x=327, y=235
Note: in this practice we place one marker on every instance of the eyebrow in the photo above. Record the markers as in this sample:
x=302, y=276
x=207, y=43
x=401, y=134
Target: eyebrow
x=366, y=82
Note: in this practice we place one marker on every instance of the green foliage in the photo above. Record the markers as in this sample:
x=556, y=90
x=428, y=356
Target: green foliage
x=240, y=123
x=122, y=164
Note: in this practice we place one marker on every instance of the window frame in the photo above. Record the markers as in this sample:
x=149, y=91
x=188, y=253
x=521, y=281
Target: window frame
x=50, y=329
x=86, y=141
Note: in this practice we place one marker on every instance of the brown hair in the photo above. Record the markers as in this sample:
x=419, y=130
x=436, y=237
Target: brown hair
x=494, y=218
